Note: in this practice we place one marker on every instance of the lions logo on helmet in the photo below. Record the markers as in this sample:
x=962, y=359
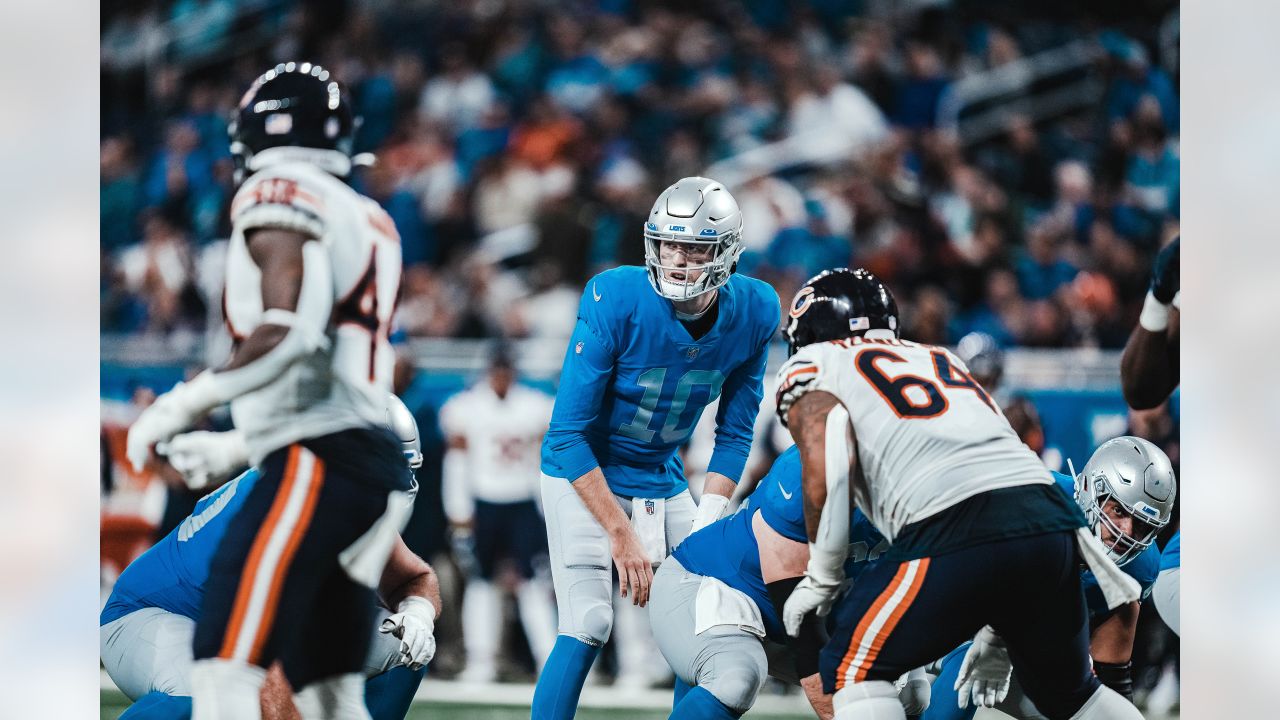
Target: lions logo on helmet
x=1138, y=478
x=698, y=216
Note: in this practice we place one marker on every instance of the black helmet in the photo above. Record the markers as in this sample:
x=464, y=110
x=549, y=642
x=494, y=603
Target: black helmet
x=294, y=105
x=837, y=304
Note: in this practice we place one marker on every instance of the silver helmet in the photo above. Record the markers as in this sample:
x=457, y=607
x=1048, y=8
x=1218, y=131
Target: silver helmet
x=405, y=428
x=1138, y=477
x=700, y=214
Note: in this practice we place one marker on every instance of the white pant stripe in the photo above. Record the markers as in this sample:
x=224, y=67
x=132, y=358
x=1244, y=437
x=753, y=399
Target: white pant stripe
x=271, y=555
x=882, y=618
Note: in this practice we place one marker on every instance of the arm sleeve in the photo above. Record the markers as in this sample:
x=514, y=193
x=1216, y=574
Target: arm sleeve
x=736, y=417
x=586, y=373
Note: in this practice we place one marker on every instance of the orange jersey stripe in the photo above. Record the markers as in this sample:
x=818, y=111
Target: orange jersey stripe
x=255, y=555
x=878, y=642
x=277, y=581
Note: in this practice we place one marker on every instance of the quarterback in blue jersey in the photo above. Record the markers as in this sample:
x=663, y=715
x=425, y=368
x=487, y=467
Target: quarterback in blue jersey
x=717, y=603
x=1127, y=492
x=652, y=347
x=148, y=622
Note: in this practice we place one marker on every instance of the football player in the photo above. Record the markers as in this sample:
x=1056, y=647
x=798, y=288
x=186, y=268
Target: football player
x=149, y=621
x=493, y=430
x=313, y=272
x=1149, y=365
x=1126, y=491
x=978, y=533
x=651, y=348
x=717, y=603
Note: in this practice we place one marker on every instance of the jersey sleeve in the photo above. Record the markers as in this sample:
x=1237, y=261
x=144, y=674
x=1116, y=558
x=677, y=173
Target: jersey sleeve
x=584, y=377
x=805, y=372
x=279, y=199
x=781, y=506
x=736, y=417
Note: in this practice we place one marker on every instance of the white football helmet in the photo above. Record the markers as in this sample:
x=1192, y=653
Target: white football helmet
x=401, y=423
x=1138, y=476
x=700, y=212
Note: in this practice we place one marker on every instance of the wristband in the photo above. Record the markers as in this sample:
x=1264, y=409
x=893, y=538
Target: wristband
x=1117, y=677
x=1155, y=314
x=417, y=605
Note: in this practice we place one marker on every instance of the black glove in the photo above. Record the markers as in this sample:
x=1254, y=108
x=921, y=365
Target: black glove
x=1117, y=677
x=1164, y=274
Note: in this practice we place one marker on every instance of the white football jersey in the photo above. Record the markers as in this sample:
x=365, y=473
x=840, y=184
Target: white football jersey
x=504, y=439
x=344, y=384
x=928, y=436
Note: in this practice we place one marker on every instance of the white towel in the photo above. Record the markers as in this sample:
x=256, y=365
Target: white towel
x=1117, y=587
x=649, y=520
x=719, y=604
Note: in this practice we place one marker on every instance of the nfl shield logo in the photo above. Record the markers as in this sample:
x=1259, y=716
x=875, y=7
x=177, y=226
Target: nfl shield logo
x=691, y=353
x=578, y=348
x=648, y=507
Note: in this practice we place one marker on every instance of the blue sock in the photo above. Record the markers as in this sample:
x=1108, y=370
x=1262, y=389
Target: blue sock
x=699, y=704
x=943, y=698
x=555, y=697
x=682, y=689
x=389, y=695
x=159, y=706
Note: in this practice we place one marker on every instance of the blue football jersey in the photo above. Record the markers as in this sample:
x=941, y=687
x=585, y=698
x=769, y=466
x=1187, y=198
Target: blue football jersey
x=1144, y=568
x=727, y=549
x=171, y=575
x=1172, y=555
x=634, y=383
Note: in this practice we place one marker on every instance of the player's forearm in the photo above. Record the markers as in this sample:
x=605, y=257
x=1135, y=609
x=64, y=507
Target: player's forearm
x=717, y=484
x=595, y=494
x=1146, y=374
x=1112, y=641
x=425, y=585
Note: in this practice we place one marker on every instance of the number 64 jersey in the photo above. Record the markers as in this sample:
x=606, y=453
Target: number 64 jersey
x=928, y=436
x=344, y=382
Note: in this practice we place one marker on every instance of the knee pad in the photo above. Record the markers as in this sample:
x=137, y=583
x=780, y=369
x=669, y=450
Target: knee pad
x=1107, y=704
x=593, y=621
x=871, y=700
x=734, y=680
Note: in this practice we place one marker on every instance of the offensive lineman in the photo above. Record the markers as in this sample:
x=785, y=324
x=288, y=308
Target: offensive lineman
x=717, y=604
x=493, y=430
x=1126, y=491
x=149, y=620
x=978, y=533
x=313, y=271
x=651, y=348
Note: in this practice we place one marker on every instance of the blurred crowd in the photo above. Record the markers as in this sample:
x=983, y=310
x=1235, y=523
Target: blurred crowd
x=520, y=143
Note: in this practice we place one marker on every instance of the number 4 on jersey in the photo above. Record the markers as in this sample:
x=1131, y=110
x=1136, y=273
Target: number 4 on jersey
x=894, y=390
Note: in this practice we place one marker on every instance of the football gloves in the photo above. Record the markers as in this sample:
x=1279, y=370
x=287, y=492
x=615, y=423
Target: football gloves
x=414, y=624
x=1164, y=274
x=985, y=672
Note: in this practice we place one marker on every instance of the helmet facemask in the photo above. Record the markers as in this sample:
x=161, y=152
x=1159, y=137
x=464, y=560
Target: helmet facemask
x=721, y=255
x=1093, y=492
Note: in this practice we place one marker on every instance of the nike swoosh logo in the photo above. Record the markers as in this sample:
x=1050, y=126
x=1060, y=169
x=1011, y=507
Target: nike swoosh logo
x=595, y=294
x=784, y=492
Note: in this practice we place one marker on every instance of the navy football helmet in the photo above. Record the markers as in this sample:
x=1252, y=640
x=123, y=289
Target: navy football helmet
x=837, y=304
x=293, y=112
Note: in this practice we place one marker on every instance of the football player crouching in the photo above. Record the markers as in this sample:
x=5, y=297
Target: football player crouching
x=1127, y=492
x=148, y=623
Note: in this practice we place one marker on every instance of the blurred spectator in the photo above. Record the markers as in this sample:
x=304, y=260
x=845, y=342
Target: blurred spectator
x=519, y=152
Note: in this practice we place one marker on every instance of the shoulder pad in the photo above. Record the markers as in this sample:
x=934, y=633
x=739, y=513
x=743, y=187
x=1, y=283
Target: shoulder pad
x=280, y=198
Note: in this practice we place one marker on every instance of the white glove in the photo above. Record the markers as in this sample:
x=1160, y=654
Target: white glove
x=414, y=624
x=169, y=415
x=809, y=596
x=206, y=458
x=985, y=672
x=710, y=507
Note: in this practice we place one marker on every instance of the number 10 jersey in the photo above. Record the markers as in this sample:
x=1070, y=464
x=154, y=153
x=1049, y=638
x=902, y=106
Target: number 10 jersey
x=928, y=436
